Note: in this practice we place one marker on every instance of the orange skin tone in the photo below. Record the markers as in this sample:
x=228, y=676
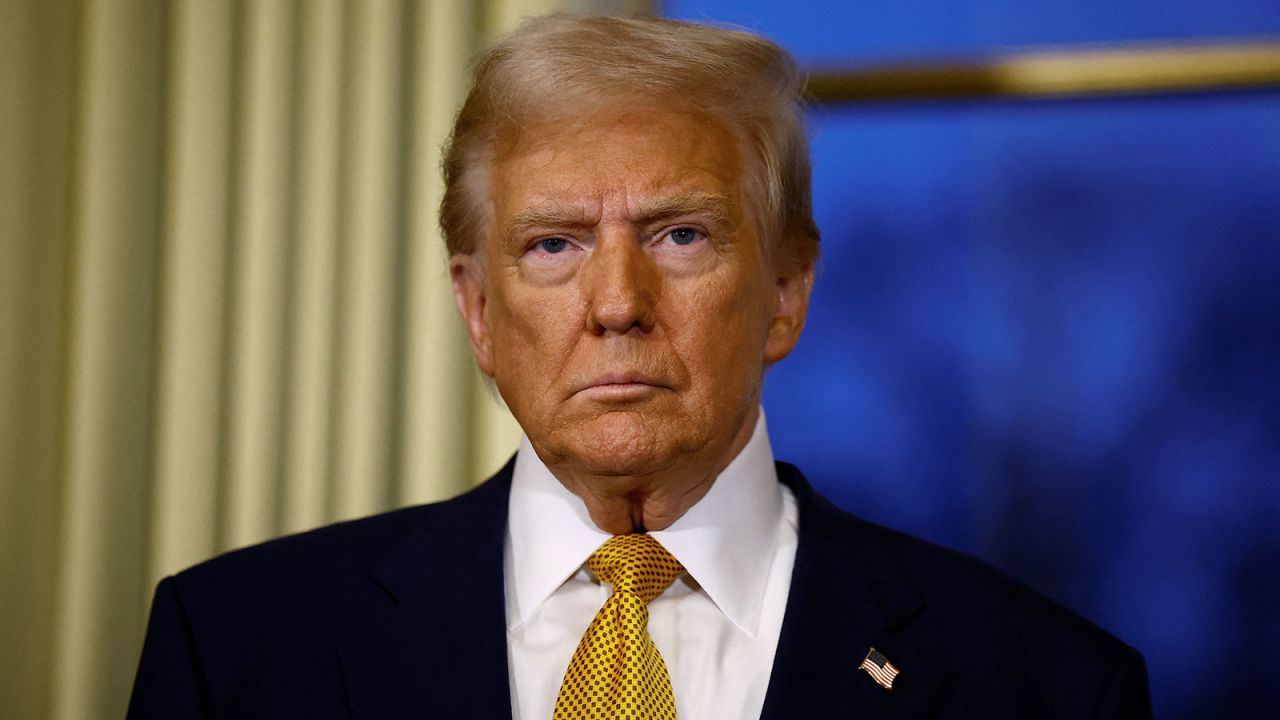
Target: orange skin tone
x=625, y=305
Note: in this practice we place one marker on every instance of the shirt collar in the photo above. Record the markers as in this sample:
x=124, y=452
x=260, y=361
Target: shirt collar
x=726, y=541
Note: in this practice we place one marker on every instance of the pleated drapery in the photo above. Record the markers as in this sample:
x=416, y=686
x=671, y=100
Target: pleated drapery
x=224, y=307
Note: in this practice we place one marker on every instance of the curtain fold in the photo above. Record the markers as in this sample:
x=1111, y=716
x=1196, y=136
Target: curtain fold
x=115, y=245
x=225, y=312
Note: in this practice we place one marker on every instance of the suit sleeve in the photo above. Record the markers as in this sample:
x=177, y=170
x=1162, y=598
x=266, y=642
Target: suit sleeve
x=169, y=683
x=1127, y=695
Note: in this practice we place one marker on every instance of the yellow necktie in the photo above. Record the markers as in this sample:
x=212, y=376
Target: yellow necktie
x=616, y=672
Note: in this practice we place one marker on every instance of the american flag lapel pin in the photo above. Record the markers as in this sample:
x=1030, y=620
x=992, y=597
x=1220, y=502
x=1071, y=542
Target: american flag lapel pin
x=879, y=668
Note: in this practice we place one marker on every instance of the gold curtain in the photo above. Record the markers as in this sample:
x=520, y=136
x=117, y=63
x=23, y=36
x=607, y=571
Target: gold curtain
x=224, y=307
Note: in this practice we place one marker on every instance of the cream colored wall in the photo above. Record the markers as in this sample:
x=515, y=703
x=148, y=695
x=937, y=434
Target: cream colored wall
x=224, y=308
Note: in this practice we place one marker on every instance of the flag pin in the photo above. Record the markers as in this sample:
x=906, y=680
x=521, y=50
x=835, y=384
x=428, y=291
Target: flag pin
x=879, y=668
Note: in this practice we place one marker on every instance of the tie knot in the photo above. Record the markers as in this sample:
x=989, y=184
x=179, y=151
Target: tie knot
x=635, y=564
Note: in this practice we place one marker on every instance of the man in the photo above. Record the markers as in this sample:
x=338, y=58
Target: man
x=627, y=215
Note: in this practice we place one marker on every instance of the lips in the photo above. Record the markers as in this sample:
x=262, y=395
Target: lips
x=624, y=378
x=621, y=384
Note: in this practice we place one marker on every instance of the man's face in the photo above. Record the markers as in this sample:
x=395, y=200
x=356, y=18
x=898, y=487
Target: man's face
x=622, y=299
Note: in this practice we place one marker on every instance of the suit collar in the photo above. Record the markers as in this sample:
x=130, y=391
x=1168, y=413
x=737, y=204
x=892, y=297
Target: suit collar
x=848, y=593
x=427, y=636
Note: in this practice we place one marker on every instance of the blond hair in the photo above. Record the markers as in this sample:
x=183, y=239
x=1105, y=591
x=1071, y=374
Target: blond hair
x=582, y=63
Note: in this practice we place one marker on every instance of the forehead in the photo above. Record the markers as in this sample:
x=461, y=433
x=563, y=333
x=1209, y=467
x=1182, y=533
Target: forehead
x=624, y=157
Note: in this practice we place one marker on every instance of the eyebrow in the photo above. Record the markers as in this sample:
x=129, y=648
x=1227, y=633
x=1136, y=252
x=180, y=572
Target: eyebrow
x=715, y=207
x=712, y=206
x=548, y=215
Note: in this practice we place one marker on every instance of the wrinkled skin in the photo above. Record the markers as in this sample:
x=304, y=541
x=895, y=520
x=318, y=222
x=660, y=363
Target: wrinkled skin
x=626, y=306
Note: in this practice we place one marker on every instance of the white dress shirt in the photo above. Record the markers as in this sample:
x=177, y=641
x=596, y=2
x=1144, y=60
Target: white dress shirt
x=717, y=626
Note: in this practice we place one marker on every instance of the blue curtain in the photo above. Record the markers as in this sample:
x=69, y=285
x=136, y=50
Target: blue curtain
x=1048, y=333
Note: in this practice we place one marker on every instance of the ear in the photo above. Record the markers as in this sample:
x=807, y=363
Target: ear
x=793, y=288
x=467, y=273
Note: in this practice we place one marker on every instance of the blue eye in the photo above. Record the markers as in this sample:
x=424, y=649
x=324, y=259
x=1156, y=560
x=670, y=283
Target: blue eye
x=553, y=245
x=683, y=236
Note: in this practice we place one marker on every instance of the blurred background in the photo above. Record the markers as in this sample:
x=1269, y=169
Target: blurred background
x=1046, y=329
x=1047, y=326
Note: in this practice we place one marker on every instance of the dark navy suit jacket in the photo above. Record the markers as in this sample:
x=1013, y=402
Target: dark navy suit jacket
x=403, y=616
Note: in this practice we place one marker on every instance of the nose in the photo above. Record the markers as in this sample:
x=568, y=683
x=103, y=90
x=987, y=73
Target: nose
x=621, y=286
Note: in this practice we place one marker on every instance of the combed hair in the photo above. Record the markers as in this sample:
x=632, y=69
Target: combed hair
x=557, y=65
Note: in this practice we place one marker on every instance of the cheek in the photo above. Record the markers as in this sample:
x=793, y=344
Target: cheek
x=524, y=363
x=719, y=330
x=531, y=329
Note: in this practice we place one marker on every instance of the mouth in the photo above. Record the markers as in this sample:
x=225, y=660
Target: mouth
x=621, y=386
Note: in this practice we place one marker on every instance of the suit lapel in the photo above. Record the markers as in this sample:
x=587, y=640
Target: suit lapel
x=425, y=635
x=847, y=595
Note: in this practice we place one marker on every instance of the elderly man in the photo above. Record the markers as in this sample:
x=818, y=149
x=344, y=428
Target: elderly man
x=627, y=216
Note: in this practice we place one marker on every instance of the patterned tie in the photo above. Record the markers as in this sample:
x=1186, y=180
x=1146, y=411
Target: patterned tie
x=616, y=672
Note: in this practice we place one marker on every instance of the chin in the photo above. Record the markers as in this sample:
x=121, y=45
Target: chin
x=623, y=443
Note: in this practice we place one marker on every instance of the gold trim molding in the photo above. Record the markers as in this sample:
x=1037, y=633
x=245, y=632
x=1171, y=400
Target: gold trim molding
x=1063, y=73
